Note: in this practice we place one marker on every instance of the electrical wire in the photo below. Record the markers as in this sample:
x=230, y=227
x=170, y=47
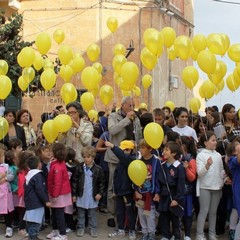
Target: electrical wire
x=228, y=2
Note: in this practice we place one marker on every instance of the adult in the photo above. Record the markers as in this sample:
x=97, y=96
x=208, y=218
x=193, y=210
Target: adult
x=23, y=119
x=122, y=124
x=81, y=132
x=14, y=131
x=181, y=116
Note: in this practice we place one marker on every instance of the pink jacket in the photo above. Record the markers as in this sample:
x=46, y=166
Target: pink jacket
x=58, y=180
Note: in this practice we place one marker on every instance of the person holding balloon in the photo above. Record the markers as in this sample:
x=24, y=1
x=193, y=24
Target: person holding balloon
x=148, y=192
x=81, y=132
x=123, y=188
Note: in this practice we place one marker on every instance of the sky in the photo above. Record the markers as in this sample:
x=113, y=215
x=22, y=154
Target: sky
x=217, y=17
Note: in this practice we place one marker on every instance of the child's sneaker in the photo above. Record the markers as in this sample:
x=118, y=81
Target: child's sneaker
x=22, y=232
x=144, y=236
x=117, y=234
x=60, y=237
x=9, y=232
x=93, y=233
x=131, y=235
x=52, y=234
x=80, y=232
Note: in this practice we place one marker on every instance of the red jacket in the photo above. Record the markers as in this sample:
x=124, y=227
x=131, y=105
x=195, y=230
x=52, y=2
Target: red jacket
x=21, y=181
x=58, y=180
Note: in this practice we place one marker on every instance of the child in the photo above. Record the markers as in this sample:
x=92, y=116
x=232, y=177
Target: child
x=15, y=145
x=148, y=193
x=71, y=164
x=189, y=163
x=20, y=204
x=123, y=188
x=87, y=189
x=209, y=184
x=35, y=197
x=172, y=183
x=6, y=199
x=59, y=191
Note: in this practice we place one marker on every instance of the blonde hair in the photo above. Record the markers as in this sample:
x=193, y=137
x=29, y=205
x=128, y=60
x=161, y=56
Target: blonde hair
x=89, y=151
x=143, y=143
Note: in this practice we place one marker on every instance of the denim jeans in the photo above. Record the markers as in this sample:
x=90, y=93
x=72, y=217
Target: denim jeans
x=33, y=229
x=92, y=219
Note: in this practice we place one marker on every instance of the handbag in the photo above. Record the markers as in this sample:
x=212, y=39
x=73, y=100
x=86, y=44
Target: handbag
x=177, y=210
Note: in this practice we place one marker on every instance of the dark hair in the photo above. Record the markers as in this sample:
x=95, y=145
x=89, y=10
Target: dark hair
x=172, y=136
x=59, y=107
x=167, y=108
x=33, y=162
x=20, y=113
x=174, y=148
x=159, y=112
x=9, y=157
x=200, y=120
x=59, y=151
x=226, y=108
x=209, y=109
x=14, y=143
x=215, y=108
x=22, y=159
x=205, y=137
x=189, y=144
x=7, y=111
x=178, y=112
x=71, y=155
x=145, y=119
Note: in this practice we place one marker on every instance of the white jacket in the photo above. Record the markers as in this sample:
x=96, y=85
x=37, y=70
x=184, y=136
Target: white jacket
x=211, y=179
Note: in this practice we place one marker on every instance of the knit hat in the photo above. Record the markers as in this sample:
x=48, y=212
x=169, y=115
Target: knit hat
x=126, y=144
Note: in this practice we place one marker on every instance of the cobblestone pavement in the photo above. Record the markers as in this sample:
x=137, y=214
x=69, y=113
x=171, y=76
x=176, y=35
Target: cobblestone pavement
x=103, y=231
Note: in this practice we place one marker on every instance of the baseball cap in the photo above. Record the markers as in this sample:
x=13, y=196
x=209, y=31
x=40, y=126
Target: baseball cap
x=126, y=144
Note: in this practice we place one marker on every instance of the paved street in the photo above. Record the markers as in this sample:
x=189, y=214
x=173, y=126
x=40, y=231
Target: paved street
x=103, y=231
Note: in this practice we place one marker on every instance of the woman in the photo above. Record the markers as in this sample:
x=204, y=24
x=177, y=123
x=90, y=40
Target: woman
x=23, y=119
x=230, y=123
x=201, y=125
x=14, y=130
x=210, y=173
x=81, y=132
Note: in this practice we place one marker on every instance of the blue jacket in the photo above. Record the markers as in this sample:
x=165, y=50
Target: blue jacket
x=35, y=195
x=122, y=185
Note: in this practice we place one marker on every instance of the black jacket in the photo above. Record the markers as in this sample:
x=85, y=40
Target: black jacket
x=79, y=177
x=35, y=195
x=122, y=183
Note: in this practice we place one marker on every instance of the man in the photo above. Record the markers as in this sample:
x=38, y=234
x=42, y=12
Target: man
x=122, y=125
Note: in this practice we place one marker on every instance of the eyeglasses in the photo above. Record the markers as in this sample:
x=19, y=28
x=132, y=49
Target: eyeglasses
x=72, y=112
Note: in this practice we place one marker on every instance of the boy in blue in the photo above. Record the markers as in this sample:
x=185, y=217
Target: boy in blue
x=35, y=198
x=123, y=189
x=174, y=174
x=148, y=193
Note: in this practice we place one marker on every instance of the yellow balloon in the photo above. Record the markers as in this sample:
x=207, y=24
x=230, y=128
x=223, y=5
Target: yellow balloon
x=106, y=94
x=169, y=36
x=87, y=101
x=93, y=115
x=90, y=78
x=95, y=91
x=201, y=92
x=38, y=62
x=194, y=104
x=153, y=40
x=199, y=42
x=136, y=91
x=77, y=64
x=194, y=54
x=143, y=105
x=216, y=43
x=28, y=56
x=137, y=172
x=93, y=52
x=147, y=81
x=65, y=54
x=171, y=52
x=234, y=52
x=20, y=60
x=119, y=49
x=148, y=59
x=190, y=76
x=153, y=134
x=43, y=42
x=47, y=63
x=66, y=73
x=117, y=62
x=98, y=66
x=50, y=132
x=59, y=36
x=28, y=74
x=226, y=40
x=170, y=104
x=231, y=83
x=22, y=84
x=112, y=24
x=5, y=86
x=3, y=127
x=125, y=86
x=62, y=122
x=183, y=47
x=48, y=79
x=126, y=93
x=208, y=89
x=129, y=73
x=3, y=67
x=219, y=72
x=68, y=93
x=207, y=61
